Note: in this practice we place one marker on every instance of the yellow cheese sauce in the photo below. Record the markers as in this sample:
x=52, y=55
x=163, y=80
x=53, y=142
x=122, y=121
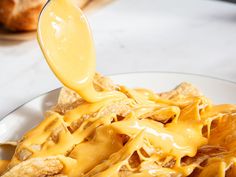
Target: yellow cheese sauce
x=124, y=132
x=97, y=147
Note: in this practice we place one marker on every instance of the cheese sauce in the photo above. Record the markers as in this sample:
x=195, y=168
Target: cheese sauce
x=3, y=165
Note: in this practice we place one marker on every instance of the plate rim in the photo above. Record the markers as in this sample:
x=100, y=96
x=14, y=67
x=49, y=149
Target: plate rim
x=125, y=73
x=176, y=72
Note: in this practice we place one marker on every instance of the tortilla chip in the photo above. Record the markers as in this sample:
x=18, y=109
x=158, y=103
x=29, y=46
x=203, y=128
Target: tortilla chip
x=36, y=167
x=184, y=89
x=67, y=96
x=102, y=83
x=69, y=99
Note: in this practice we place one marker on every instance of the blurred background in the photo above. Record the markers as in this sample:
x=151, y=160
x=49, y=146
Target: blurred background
x=190, y=36
x=233, y=1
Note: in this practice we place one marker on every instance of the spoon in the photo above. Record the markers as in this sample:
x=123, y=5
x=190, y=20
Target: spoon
x=66, y=42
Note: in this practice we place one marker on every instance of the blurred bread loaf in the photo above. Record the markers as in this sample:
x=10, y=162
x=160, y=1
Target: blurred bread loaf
x=22, y=15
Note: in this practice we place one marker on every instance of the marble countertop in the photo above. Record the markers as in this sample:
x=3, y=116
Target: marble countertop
x=193, y=36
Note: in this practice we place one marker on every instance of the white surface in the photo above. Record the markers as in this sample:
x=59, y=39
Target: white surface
x=196, y=36
x=31, y=113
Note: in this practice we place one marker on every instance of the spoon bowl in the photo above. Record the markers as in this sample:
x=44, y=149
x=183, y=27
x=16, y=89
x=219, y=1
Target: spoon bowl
x=66, y=42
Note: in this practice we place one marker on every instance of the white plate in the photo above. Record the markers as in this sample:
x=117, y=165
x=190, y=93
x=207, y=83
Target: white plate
x=14, y=125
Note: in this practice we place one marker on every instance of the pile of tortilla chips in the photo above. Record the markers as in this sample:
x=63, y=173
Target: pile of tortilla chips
x=129, y=151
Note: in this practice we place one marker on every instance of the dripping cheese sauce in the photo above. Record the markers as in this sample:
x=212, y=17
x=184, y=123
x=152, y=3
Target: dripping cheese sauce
x=67, y=44
x=89, y=142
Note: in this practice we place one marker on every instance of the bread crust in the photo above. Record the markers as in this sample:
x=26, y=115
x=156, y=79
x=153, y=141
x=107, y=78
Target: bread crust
x=22, y=15
x=6, y=8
